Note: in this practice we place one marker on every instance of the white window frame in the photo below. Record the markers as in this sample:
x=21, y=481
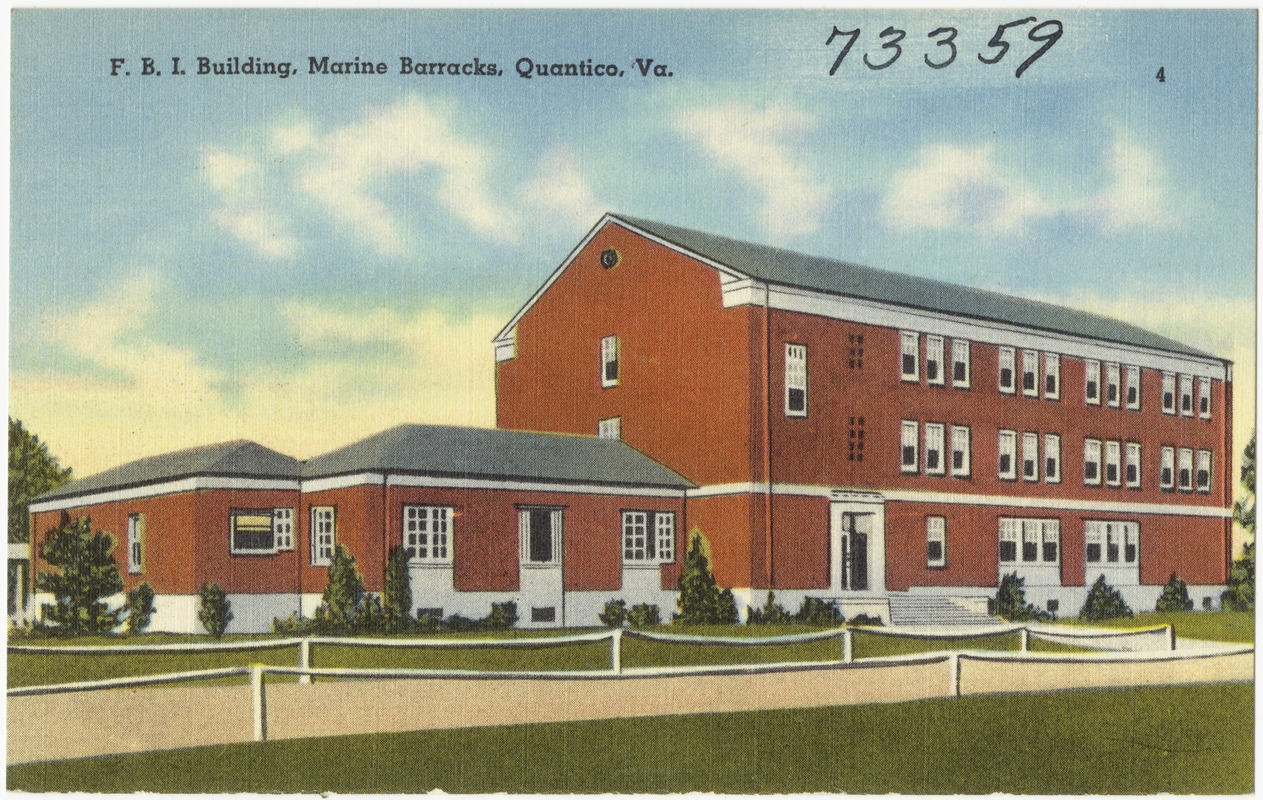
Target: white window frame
x=270, y=514
x=934, y=359
x=428, y=534
x=935, y=449
x=324, y=534
x=1011, y=531
x=936, y=533
x=960, y=358
x=795, y=378
x=1113, y=463
x=1033, y=535
x=1008, y=359
x=1113, y=384
x=1052, y=376
x=1186, y=394
x=1092, y=382
x=1203, y=398
x=1007, y=447
x=910, y=433
x=1131, y=543
x=611, y=356
x=1050, y=533
x=1133, y=384
x=610, y=428
x=1030, y=456
x=648, y=537
x=283, y=528
x=1166, y=472
x=1052, y=458
x=1092, y=457
x=524, y=535
x=1133, y=474
x=1030, y=366
x=1168, y=393
x=1184, y=469
x=1204, y=466
x=1094, y=534
x=135, y=544
x=909, y=347
x=960, y=446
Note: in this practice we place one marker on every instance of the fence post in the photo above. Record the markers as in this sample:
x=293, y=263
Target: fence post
x=847, y=654
x=953, y=662
x=616, y=650
x=259, y=703
x=1026, y=639
x=1171, y=635
x=304, y=660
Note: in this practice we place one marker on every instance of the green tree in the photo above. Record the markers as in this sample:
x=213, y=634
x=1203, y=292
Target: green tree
x=140, y=607
x=1240, y=593
x=86, y=575
x=701, y=601
x=1010, y=601
x=397, y=590
x=32, y=471
x=214, y=609
x=344, y=591
x=1103, y=602
x=1174, y=596
x=772, y=613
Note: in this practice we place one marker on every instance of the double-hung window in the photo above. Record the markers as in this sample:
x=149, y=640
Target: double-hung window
x=1203, y=397
x=1112, y=542
x=1186, y=395
x=1203, y=470
x=323, y=535
x=539, y=535
x=609, y=361
x=1052, y=458
x=1030, y=373
x=1030, y=456
x=1168, y=393
x=135, y=544
x=1010, y=532
x=1092, y=382
x=934, y=448
x=960, y=363
x=1052, y=376
x=1007, y=369
x=1133, y=465
x=908, y=446
x=1008, y=455
x=1113, y=393
x=960, y=451
x=1052, y=540
x=1166, y=475
x=611, y=428
x=1186, y=469
x=934, y=360
x=1113, y=468
x=936, y=542
x=648, y=537
x=1091, y=462
x=427, y=534
x=1133, y=388
x=1030, y=539
x=909, y=348
x=795, y=380
x=260, y=531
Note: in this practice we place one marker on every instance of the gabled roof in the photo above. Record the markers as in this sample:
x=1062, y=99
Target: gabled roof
x=236, y=459
x=493, y=453
x=781, y=267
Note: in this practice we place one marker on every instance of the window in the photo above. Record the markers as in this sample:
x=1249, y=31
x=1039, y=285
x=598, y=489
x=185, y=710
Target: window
x=427, y=534
x=1168, y=393
x=1203, y=470
x=1052, y=541
x=1113, y=469
x=648, y=537
x=934, y=360
x=539, y=532
x=1133, y=388
x=1030, y=373
x=323, y=534
x=1186, y=395
x=135, y=544
x=1006, y=370
x=910, y=347
x=1052, y=458
x=609, y=361
x=1010, y=531
x=259, y=531
x=1186, y=469
x=935, y=542
x=1091, y=462
x=1030, y=456
x=795, y=380
x=611, y=428
x=1203, y=397
x=960, y=363
x=934, y=448
x=960, y=451
x=1008, y=455
x=1131, y=542
x=1166, y=479
x=1112, y=379
x=1093, y=536
x=1133, y=465
x=1092, y=382
x=1112, y=542
x=908, y=448
x=1052, y=376
x=1030, y=541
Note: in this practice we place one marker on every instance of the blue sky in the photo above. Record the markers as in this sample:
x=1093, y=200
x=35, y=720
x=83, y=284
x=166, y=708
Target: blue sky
x=304, y=261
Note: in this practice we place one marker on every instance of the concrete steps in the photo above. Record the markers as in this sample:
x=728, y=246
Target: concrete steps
x=935, y=610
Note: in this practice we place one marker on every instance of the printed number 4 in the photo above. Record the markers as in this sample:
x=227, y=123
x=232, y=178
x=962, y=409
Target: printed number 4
x=1162, y=75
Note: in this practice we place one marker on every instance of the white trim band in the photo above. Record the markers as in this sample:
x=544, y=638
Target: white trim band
x=169, y=487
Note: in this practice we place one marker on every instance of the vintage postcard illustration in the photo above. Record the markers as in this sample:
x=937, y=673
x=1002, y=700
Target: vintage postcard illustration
x=632, y=401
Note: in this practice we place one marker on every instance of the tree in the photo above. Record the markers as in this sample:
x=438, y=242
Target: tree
x=344, y=591
x=87, y=574
x=1240, y=593
x=1174, y=596
x=32, y=471
x=397, y=590
x=214, y=609
x=1010, y=601
x=140, y=608
x=701, y=601
x=1104, y=602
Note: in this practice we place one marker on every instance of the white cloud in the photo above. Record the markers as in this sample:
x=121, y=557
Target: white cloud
x=560, y=189
x=757, y=146
x=1137, y=195
x=242, y=210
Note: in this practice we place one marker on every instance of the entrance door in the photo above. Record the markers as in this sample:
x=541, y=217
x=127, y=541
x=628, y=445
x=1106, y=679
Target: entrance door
x=853, y=545
x=857, y=546
x=541, y=538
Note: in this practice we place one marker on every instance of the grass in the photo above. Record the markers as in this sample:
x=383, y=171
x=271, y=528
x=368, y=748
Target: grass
x=1193, y=739
x=1213, y=626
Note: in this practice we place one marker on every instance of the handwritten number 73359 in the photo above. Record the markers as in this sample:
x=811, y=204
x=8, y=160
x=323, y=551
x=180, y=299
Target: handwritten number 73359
x=943, y=50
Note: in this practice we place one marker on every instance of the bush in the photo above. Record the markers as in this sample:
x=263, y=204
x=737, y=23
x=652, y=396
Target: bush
x=642, y=615
x=214, y=609
x=772, y=613
x=614, y=615
x=140, y=608
x=397, y=590
x=343, y=592
x=1240, y=593
x=1174, y=596
x=701, y=601
x=865, y=619
x=503, y=616
x=1010, y=601
x=1104, y=602
x=368, y=616
x=86, y=575
x=815, y=611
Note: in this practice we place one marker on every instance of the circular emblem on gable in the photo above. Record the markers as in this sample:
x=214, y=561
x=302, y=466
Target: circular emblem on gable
x=610, y=258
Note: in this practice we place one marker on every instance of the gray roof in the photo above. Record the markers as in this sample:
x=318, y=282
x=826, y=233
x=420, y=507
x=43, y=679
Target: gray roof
x=240, y=458
x=492, y=454
x=787, y=268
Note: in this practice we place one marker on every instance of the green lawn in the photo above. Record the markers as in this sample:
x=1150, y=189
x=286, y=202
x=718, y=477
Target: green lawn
x=1214, y=626
x=1194, y=739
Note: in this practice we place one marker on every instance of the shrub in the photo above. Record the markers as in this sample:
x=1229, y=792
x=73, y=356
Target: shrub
x=140, y=608
x=503, y=616
x=343, y=592
x=1240, y=593
x=643, y=615
x=1010, y=601
x=214, y=610
x=1104, y=602
x=701, y=601
x=86, y=575
x=772, y=613
x=1174, y=596
x=397, y=590
x=614, y=615
x=368, y=616
x=815, y=611
x=865, y=619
